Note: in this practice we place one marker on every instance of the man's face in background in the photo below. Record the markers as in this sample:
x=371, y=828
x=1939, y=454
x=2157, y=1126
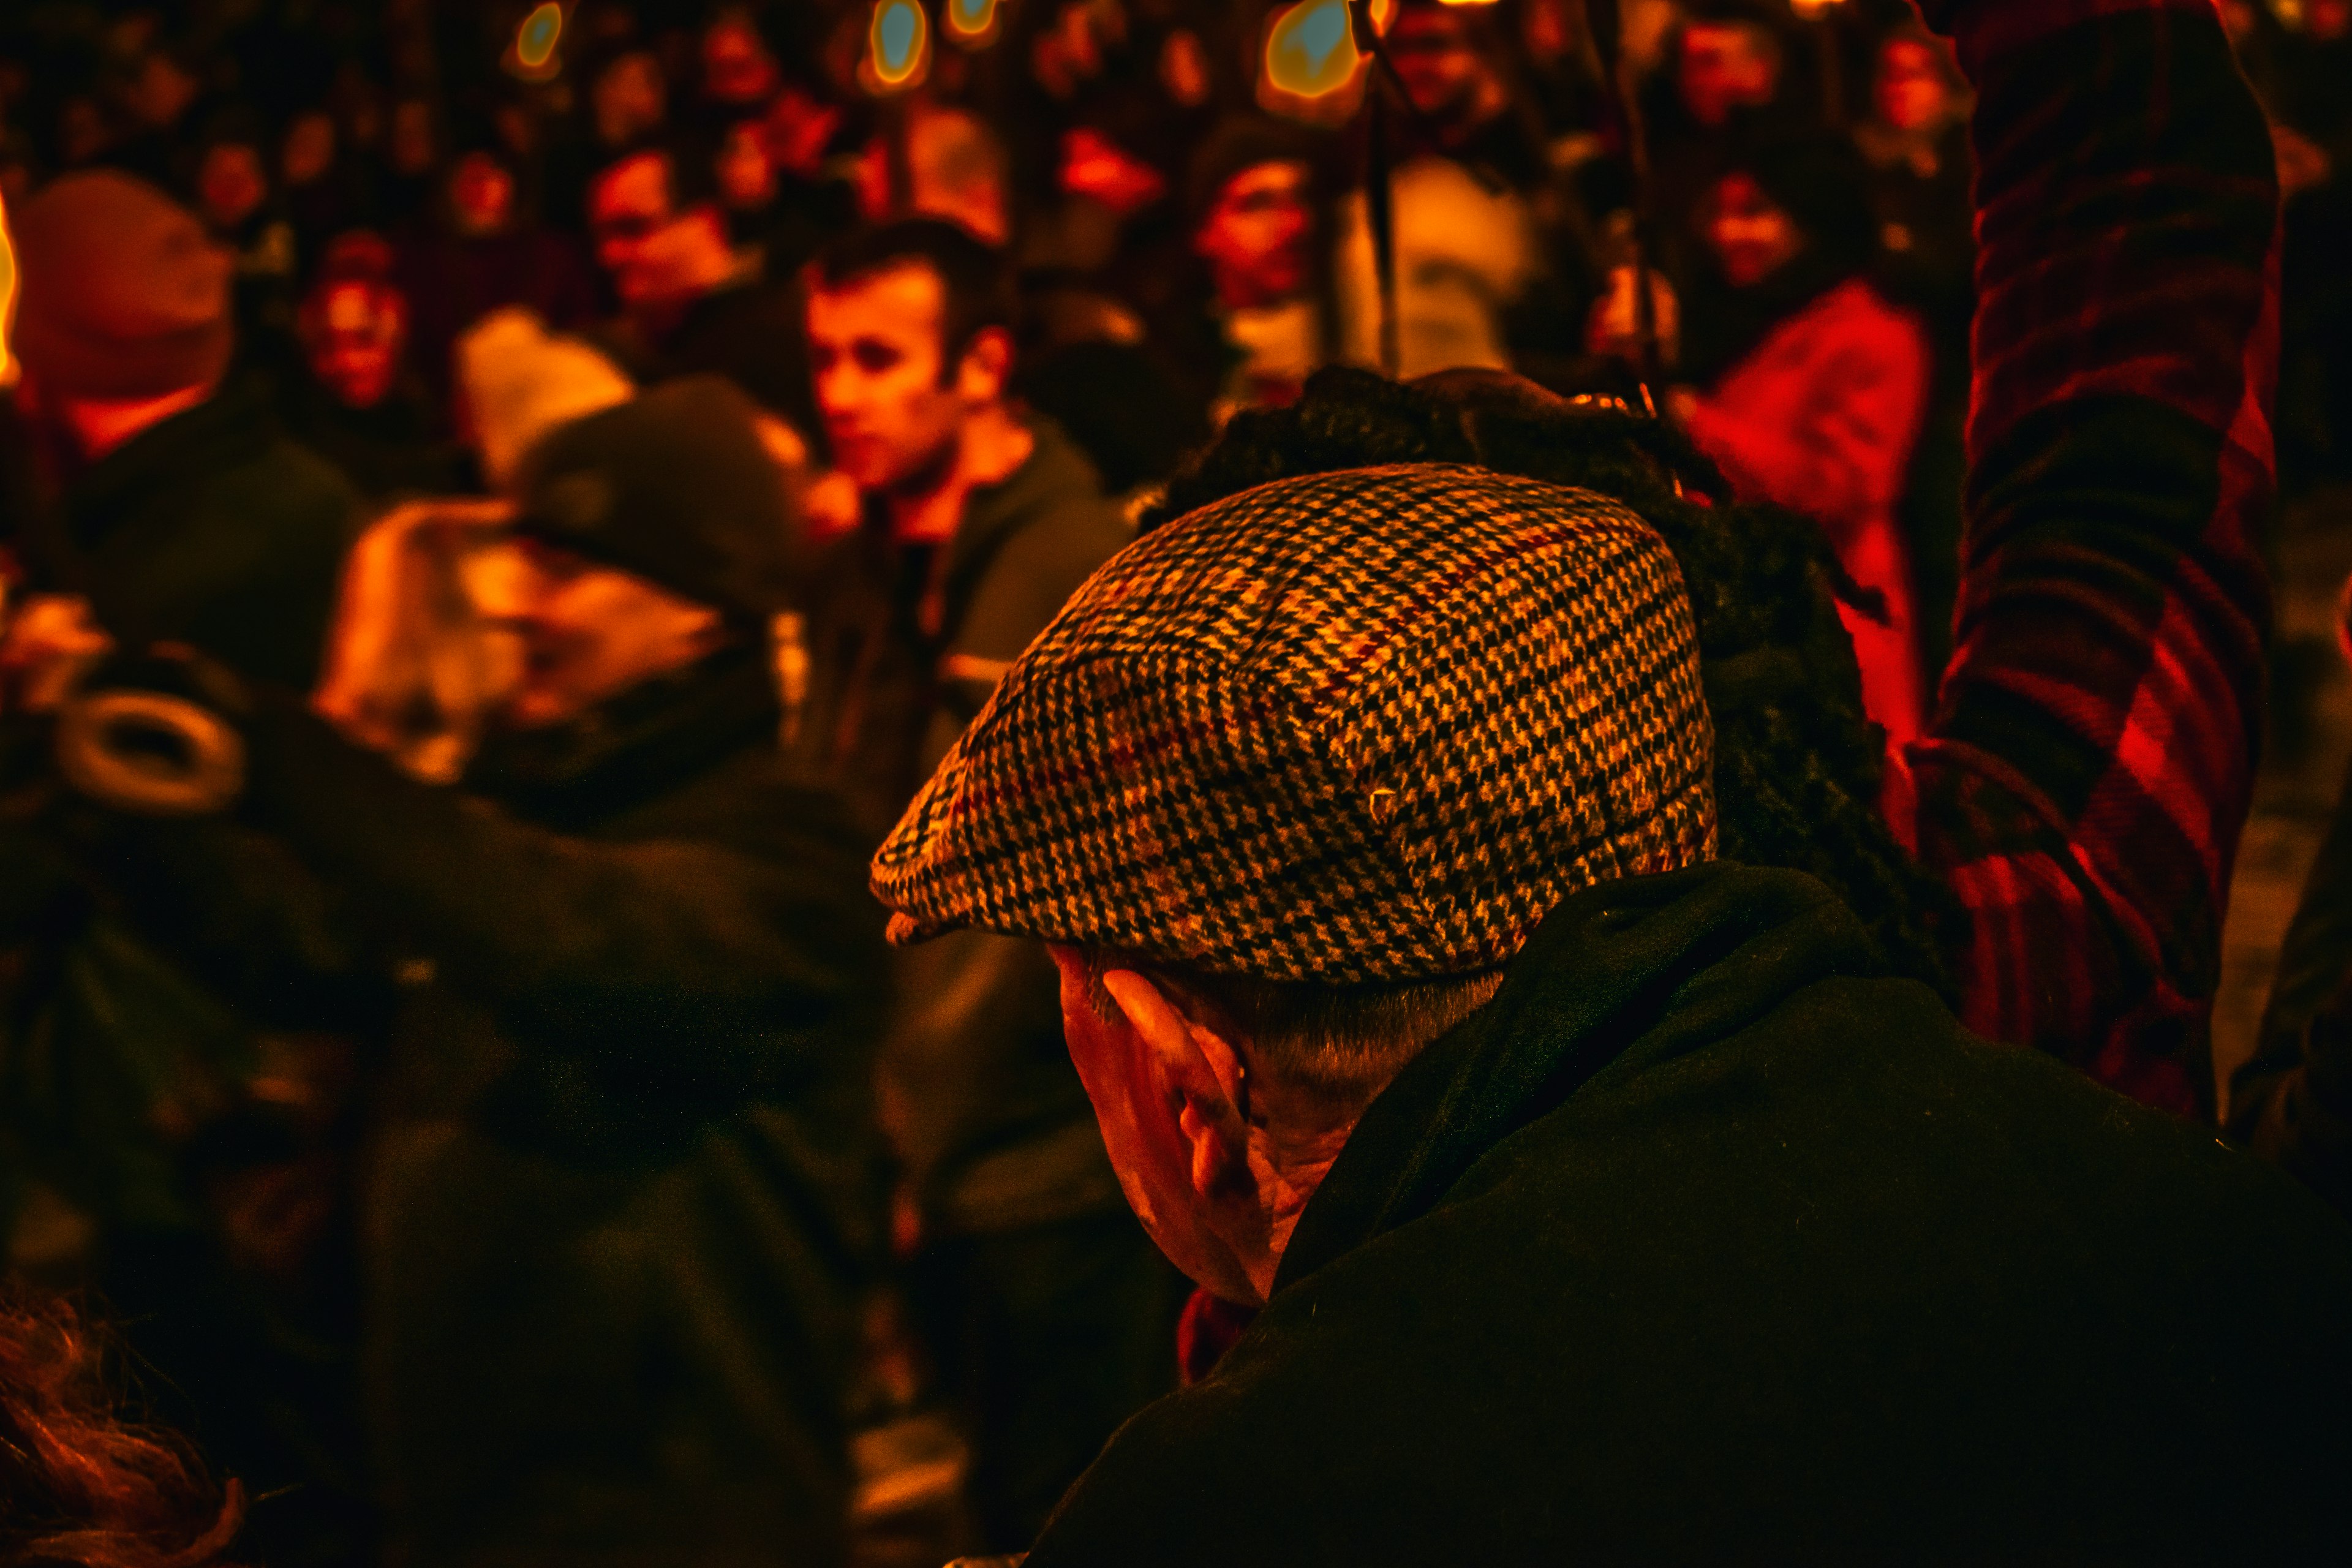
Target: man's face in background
x=481, y=195
x=893, y=408
x=1255, y=239
x=1752, y=236
x=352, y=332
x=1726, y=66
x=1442, y=73
x=230, y=184
x=1914, y=90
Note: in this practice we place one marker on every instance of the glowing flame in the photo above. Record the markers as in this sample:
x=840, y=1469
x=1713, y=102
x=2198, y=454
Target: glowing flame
x=1310, y=51
x=899, y=43
x=972, y=22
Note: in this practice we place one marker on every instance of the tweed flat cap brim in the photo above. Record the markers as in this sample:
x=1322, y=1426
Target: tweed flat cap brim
x=1362, y=726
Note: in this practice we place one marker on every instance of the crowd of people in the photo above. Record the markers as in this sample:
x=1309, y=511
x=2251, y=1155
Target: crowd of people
x=755, y=797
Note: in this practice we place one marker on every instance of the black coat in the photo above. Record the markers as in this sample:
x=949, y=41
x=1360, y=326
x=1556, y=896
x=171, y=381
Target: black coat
x=619, y=1215
x=213, y=529
x=1702, y=1244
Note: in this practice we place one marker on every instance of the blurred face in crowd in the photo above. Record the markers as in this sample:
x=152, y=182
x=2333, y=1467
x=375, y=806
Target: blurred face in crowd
x=1726, y=66
x=1915, y=89
x=481, y=194
x=1095, y=166
x=800, y=127
x=1751, y=235
x=353, y=330
x=628, y=99
x=893, y=409
x=230, y=184
x=310, y=148
x=735, y=65
x=658, y=258
x=746, y=175
x=587, y=632
x=1257, y=237
x=1442, y=71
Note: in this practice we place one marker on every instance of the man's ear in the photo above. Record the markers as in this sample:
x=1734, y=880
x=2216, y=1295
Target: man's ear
x=1202, y=1074
x=986, y=368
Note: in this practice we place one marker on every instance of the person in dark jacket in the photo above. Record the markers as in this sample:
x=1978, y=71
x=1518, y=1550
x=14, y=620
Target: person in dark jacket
x=1598, y=1196
x=1045, y=1306
x=186, y=514
x=202, y=1140
x=619, y=1213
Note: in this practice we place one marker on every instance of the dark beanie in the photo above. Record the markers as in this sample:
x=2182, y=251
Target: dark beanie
x=676, y=486
x=122, y=295
x=1239, y=142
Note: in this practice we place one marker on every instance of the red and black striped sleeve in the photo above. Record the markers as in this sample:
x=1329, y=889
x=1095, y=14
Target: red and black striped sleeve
x=2090, y=763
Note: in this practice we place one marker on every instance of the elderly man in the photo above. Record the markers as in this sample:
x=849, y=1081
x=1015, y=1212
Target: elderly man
x=1599, y=1198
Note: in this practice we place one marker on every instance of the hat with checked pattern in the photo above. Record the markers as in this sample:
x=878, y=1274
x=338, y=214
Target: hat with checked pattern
x=1359, y=726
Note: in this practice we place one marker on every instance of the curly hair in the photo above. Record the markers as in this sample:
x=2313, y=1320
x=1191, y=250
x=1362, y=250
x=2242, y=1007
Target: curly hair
x=79, y=1485
x=1799, y=769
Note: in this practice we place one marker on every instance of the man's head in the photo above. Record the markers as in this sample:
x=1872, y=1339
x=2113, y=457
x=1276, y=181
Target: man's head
x=481, y=194
x=1726, y=65
x=648, y=534
x=231, y=181
x=1437, y=56
x=1286, y=785
x=909, y=336
x=1918, y=87
x=628, y=97
x=122, y=296
x=659, y=231
x=957, y=169
x=1783, y=197
x=1251, y=191
x=1752, y=236
x=353, y=328
x=738, y=71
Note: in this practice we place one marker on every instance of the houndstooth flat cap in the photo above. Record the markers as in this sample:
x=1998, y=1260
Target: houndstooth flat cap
x=1360, y=726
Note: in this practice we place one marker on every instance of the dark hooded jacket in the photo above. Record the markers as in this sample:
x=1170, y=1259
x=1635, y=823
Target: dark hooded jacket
x=1702, y=1243
x=619, y=1212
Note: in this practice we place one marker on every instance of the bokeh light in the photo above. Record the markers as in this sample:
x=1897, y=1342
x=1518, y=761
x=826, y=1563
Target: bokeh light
x=898, y=44
x=1310, y=51
x=971, y=23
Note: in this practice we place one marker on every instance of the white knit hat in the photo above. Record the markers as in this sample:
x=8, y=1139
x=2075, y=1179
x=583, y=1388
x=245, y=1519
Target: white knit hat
x=521, y=381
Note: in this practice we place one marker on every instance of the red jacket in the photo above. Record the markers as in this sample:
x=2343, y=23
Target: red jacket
x=1820, y=418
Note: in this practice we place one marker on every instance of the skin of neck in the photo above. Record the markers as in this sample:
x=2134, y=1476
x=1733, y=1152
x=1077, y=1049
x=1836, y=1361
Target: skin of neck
x=98, y=425
x=989, y=446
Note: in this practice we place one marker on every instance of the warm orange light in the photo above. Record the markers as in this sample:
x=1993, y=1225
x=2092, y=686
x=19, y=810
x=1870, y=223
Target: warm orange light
x=8, y=297
x=536, y=40
x=897, y=44
x=971, y=23
x=1310, y=50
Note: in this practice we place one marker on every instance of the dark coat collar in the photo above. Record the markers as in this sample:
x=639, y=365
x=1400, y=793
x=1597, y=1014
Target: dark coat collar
x=1620, y=977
